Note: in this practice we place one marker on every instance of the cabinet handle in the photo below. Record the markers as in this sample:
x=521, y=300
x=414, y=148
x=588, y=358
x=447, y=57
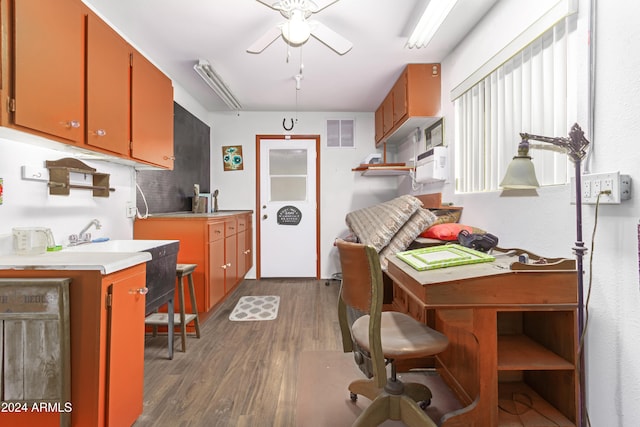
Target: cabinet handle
x=73, y=124
x=228, y=264
x=168, y=157
x=100, y=132
x=224, y=266
x=141, y=291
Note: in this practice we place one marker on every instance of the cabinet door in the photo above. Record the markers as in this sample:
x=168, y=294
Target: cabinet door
x=249, y=244
x=49, y=68
x=151, y=114
x=399, y=90
x=379, y=118
x=242, y=254
x=387, y=113
x=108, y=60
x=216, y=273
x=125, y=341
x=231, y=258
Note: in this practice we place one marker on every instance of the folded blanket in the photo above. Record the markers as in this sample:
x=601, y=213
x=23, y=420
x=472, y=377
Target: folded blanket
x=390, y=226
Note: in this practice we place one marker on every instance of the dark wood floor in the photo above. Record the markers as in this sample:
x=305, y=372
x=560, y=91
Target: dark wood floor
x=241, y=373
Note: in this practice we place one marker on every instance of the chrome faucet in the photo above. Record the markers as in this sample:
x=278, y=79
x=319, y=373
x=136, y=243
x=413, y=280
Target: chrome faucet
x=83, y=236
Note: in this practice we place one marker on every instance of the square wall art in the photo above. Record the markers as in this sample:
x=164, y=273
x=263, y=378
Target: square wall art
x=232, y=158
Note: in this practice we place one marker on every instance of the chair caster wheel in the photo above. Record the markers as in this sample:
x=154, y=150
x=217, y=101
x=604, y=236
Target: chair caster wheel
x=354, y=397
x=424, y=404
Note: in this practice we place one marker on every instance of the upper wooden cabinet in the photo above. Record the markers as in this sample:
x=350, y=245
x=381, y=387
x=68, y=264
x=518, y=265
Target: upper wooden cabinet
x=70, y=78
x=151, y=115
x=108, y=95
x=413, y=102
x=48, y=68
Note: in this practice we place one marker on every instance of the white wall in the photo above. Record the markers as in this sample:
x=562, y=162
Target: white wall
x=341, y=189
x=546, y=224
x=28, y=203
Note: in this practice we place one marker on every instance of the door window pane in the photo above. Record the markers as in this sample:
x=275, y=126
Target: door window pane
x=288, y=162
x=288, y=188
x=288, y=175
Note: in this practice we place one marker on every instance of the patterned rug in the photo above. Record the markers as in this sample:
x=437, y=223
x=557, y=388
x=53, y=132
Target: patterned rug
x=260, y=307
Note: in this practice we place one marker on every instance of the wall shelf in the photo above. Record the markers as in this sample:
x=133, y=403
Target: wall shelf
x=383, y=169
x=59, y=181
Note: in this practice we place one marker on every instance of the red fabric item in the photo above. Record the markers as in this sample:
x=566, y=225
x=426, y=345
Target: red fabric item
x=448, y=231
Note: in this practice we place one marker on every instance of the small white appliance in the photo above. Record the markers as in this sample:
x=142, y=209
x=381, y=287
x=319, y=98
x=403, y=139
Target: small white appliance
x=32, y=240
x=433, y=165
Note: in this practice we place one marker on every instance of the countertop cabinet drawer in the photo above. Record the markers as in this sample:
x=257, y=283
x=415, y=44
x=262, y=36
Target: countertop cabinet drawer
x=216, y=231
x=231, y=227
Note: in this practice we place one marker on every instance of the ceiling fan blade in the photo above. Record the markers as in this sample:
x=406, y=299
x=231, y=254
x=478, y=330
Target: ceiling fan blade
x=268, y=3
x=329, y=37
x=265, y=40
x=318, y=5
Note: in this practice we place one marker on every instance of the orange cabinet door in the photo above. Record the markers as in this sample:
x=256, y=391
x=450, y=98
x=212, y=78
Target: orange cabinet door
x=108, y=68
x=387, y=113
x=216, y=273
x=125, y=347
x=49, y=68
x=379, y=119
x=151, y=114
x=400, y=98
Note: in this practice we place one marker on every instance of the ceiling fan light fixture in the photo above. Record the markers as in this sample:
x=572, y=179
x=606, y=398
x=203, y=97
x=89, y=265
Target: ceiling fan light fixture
x=296, y=30
x=431, y=20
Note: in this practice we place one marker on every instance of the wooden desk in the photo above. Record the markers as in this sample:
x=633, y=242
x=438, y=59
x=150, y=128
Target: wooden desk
x=513, y=337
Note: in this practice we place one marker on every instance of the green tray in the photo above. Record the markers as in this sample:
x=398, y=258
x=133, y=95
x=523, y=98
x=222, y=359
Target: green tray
x=443, y=256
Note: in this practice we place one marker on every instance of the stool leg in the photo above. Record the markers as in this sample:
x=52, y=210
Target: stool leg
x=170, y=326
x=183, y=327
x=194, y=307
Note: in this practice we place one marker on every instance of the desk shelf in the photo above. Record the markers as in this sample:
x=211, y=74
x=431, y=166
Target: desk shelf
x=536, y=362
x=519, y=404
x=519, y=352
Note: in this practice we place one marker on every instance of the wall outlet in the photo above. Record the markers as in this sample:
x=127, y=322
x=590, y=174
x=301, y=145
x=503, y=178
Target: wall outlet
x=618, y=188
x=131, y=210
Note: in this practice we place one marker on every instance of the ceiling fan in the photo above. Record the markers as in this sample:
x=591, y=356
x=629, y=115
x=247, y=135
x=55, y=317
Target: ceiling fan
x=297, y=29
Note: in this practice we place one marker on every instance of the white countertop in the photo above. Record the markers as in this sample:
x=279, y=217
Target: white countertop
x=107, y=257
x=106, y=262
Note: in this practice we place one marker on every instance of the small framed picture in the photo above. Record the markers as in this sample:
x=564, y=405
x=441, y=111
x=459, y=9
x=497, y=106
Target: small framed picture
x=232, y=158
x=434, y=135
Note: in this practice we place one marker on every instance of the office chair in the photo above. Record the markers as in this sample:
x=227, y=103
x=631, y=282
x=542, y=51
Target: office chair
x=380, y=338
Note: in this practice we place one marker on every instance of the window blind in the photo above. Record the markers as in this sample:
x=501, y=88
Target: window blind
x=530, y=92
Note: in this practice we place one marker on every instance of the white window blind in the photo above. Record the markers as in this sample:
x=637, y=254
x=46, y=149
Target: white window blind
x=531, y=92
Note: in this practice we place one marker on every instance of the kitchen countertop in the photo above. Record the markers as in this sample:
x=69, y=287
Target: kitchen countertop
x=189, y=214
x=106, y=262
x=107, y=257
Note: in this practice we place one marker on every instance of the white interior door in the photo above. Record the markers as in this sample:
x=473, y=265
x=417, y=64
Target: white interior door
x=287, y=218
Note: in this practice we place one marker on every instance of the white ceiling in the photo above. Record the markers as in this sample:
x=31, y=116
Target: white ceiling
x=175, y=34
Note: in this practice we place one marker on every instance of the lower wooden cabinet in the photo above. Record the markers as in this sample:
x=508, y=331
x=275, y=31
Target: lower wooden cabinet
x=106, y=323
x=220, y=244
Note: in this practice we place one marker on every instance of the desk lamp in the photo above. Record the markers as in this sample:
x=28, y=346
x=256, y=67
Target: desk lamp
x=521, y=175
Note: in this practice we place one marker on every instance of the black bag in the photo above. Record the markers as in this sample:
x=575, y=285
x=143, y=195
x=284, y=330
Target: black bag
x=480, y=242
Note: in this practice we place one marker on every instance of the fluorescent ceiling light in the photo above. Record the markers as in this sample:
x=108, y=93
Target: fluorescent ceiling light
x=208, y=74
x=432, y=18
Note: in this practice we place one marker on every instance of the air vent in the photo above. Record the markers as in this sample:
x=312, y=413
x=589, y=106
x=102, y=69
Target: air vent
x=340, y=133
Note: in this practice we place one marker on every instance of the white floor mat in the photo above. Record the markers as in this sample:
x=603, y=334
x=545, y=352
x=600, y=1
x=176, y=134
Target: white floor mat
x=260, y=307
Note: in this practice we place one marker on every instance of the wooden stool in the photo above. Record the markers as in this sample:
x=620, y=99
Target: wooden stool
x=181, y=318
